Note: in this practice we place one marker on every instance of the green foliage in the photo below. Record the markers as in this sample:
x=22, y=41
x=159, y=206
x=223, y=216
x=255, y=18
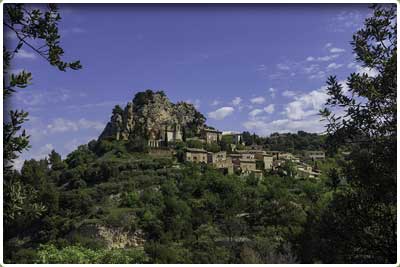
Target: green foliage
x=81, y=156
x=360, y=220
x=36, y=24
x=194, y=144
x=212, y=147
x=49, y=254
x=137, y=144
x=23, y=204
x=192, y=213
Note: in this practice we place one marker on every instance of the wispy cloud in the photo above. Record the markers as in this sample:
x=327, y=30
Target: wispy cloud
x=288, y=93
x=322, y=58
x=23, y=54
x=257, y=100
x=336, y=50
x=43, y=97
x=282, y=66
x=236, y=101
x=346, y=19
x=334, y=66
x=61, y=125
x=255, y=112
x=270, y=108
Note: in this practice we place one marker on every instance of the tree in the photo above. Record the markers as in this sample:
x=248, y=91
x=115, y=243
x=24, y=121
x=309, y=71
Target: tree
x=28, y=24
x=360, y=221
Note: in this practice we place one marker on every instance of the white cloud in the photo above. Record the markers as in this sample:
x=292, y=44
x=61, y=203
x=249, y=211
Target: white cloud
x=351, y=65
x=336, y=50
x=43, y=97
x=269, y=109
x=347, y=19
x=306, y=105
x=324, y=58
x=87, y=124
x=319, y=75
x=282, y=66
x=236, y=101
x=107, y=104
x=328, y=45
x=255, y=112
x=288, y=93
x=221, y=113
x=22, y=53
x=311, y=68
x=284, y=126
x=327, y=58
x=257, y=100
x=61, y=125
x=334, y=66
x=369, y=71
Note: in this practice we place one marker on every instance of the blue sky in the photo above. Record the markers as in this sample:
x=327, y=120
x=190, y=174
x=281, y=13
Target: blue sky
x=260, y=68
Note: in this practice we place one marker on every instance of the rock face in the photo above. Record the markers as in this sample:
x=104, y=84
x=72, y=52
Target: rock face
x=151, y=115
x=110, y=237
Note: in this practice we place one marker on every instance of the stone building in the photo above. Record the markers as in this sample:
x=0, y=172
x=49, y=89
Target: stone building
x=268, y=161
x=307, y=171
x=196, y=155
x=211, y=135
x=247, y=165
x=216, y=157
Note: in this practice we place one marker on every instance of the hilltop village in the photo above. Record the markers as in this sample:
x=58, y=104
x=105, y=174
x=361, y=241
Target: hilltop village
x=238, y=158
x=180, y=130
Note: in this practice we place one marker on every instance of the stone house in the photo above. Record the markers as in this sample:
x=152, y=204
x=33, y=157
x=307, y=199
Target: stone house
x=216, y=157
x=196, y=155
x=211, y=135
x=307, y=171
x=247, y=165
x=168, y=133
x=268, y=161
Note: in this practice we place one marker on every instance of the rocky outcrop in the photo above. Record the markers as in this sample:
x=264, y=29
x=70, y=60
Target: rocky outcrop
x=153, y=116
x=110, y=237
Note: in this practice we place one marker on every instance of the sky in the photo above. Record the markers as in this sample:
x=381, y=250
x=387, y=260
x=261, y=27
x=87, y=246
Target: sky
x=259, y=68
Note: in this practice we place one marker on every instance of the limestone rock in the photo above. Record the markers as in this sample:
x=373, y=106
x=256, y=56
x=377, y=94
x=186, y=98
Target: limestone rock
x=153, y=116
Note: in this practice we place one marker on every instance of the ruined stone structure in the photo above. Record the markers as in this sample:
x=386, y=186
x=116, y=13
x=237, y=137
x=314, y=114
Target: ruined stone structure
x=211, y=135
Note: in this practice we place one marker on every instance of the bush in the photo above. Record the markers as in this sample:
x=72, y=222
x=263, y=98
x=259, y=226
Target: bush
x=137, y=144
x=49, y=254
